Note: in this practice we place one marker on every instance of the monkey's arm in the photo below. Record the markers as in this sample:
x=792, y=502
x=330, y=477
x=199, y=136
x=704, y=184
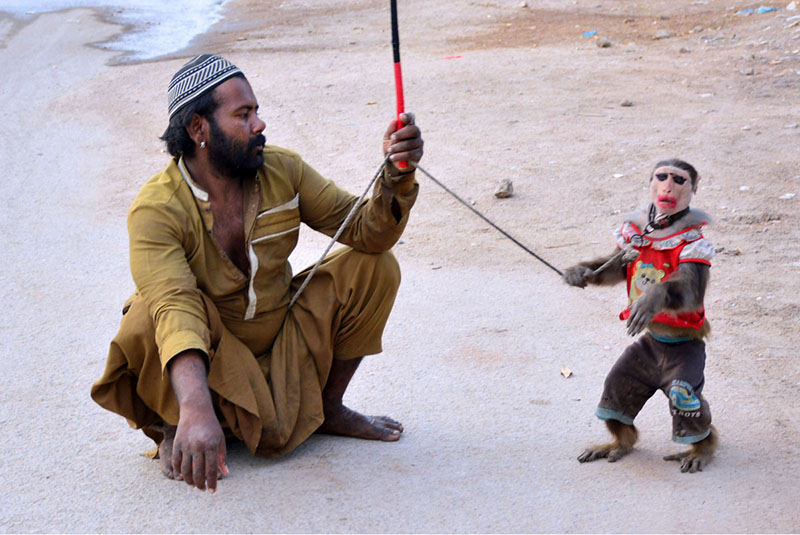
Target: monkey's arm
x=682, y=292
x=583, y=273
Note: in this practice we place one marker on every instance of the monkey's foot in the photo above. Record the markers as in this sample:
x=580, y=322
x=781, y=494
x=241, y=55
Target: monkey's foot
x=690, y=460
x=612, y=452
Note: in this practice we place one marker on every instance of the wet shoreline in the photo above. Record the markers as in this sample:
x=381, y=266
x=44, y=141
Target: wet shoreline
x=147, y=31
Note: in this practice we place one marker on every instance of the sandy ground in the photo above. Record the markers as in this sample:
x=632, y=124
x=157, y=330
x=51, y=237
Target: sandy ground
x=481, y=330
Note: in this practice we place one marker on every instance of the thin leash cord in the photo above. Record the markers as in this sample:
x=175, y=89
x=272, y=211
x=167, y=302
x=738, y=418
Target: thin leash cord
x=647, y=230
x=338, y=233
x=501, y=231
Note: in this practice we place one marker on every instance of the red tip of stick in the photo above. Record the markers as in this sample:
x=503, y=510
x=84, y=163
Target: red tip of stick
x=398, y=84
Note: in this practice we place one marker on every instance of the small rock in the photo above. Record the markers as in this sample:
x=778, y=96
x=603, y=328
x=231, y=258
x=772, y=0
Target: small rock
x=603, y=42
x=662, y=34
x=744, y=188
x=565, y=372
x=787, y=196
x=746, y=128
x=748, y=72
x=790, y=125
x=706, y=95
x=684, y=50
x=697, y=29
x=626, y=103
x=618, y=175
x=791, y=6
x=505, y=189
x=523, y=4
x=628, y=20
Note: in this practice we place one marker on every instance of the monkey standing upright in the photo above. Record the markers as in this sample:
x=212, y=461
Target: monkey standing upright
x=665, y=259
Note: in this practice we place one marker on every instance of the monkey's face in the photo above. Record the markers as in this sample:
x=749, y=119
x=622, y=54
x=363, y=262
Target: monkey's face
x=670, y=190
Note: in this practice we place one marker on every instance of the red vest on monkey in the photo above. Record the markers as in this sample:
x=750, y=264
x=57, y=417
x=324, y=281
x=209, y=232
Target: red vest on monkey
x=658, y=259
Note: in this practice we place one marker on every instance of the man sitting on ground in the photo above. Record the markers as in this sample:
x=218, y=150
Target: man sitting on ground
x=208, y=346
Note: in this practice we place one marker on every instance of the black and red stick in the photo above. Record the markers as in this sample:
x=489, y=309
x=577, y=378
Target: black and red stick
x=398, y=72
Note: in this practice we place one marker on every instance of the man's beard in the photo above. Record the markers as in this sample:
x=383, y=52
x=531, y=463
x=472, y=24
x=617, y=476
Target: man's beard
x=231, y=157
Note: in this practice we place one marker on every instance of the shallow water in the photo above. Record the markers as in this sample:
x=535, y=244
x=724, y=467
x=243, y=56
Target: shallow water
x=158, y=27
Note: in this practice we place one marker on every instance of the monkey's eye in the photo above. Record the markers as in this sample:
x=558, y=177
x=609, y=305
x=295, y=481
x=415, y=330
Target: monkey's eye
x=678, y=179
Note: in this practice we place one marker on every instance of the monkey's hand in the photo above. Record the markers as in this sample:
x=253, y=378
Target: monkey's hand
x=643, y=309
x=630, y=254
x=578, y=275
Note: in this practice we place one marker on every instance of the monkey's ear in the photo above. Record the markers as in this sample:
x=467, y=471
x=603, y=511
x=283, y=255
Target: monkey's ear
x=696, y=182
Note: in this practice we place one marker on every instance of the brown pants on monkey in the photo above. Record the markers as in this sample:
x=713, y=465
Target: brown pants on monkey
x=676, y=369
x=266, y=391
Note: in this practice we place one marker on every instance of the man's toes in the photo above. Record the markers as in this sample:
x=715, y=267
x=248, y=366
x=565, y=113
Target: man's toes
x=165, y=458
x=389, y=435
x=166, y=469
x=385, y=421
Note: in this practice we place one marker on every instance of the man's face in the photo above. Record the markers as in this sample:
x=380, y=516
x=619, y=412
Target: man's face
x=236, y=142
x=670, y=190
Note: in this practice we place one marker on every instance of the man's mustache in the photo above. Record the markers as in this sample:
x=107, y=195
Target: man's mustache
x=255, y=141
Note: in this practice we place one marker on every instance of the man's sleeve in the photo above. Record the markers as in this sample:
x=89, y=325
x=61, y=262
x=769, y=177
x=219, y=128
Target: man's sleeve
x=163, y=277
x=376, y=226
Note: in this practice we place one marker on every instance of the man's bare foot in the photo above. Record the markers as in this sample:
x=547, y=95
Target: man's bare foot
x=339, y=420
x=165, y=452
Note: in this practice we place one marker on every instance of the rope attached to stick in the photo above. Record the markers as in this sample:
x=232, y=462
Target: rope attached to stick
x=338, y=233
x=398, y=83
x=398, y=80
x=501, y=231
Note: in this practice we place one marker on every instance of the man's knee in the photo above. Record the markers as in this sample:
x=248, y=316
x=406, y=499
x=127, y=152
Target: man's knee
x=381, y=268
x=388, y=268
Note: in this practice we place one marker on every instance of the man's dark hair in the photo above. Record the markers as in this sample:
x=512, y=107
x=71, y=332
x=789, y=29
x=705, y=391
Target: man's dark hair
x=680, y=164
x=176, y=136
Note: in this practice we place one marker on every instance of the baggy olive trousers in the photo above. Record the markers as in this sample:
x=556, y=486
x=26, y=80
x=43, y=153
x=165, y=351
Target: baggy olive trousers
x=271, y=401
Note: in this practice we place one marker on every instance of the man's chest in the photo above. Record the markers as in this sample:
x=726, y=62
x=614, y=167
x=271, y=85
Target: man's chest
x=228, y=230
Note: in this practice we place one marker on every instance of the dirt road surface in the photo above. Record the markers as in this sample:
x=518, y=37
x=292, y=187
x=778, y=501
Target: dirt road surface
x=481, y=330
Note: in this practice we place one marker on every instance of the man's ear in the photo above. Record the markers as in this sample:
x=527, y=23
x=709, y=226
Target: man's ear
x=198, y=128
